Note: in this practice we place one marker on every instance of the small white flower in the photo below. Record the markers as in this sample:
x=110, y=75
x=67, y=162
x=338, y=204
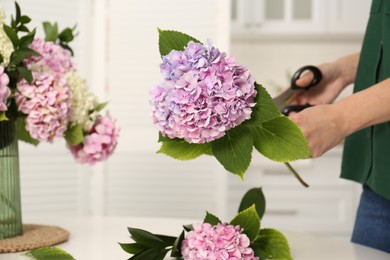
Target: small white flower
x=83, y=102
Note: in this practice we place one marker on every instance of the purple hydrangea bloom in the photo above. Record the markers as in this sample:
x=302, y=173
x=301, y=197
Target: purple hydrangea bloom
x=222, y=241
x=203, y=95
x=5, y=92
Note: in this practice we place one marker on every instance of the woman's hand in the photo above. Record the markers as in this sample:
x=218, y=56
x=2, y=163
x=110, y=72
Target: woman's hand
x=335, y=77
x=323, y=127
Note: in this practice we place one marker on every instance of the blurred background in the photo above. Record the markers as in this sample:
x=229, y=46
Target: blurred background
x=117, y=52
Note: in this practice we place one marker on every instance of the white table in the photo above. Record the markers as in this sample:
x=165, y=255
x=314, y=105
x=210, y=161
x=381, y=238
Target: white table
x=98, y=237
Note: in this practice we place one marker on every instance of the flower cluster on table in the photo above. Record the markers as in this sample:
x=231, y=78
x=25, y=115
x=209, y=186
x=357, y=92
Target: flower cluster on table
x=41, y=89
x=240, y=239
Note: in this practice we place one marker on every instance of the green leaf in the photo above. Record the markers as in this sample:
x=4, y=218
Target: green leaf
x=173, y=40
x=280, y=140
x=271, y=244
x=3, y=116
x=66, y=35
x=23, y=134
x=264, y=110
x=146, y=238
x=25, y=19
x=74, y=135
x=168, y=240
x=133, y=248
x=18, y=13
x=25, y=73
x=211, y=219
x=234, y=150
x=101, y=106
x=51, y=31
x=26, y=40
x=176, y=248
x=18, y=56
x=188, y=227
x=182, y=150
x=49, y=253
x=249, y=221
x=255, y=197
x=12, y=35
x=150, y=253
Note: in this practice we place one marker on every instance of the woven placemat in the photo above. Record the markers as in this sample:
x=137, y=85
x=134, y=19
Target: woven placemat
x=34, y=236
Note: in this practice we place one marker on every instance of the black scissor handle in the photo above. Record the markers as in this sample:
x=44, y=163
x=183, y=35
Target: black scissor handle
x=317, y=76
x=294, y=108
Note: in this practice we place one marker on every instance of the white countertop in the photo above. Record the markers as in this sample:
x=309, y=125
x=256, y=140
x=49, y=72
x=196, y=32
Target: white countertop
x=98, y=237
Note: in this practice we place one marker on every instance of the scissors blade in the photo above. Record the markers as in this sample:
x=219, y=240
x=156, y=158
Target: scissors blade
x=281, y=99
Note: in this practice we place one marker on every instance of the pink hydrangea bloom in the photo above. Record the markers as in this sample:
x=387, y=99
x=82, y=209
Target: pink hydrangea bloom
x=54, y=58
x=223, y=241
x=99, y=143
x=46, y=103
x=4, y=89
x=203, y=95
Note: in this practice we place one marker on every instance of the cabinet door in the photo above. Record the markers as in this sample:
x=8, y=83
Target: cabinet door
x=278, y=16
x=348, y=16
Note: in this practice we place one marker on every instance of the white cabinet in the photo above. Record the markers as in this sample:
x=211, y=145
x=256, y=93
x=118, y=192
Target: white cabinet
x=298, y=16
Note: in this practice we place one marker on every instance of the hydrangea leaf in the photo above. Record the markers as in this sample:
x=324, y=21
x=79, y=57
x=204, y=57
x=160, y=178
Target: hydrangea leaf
x=23, y=134
x=51, y=31
x=211, y=219
x=271, y=244
x=49, y=253
x=3, y=116
x=150, y=253
x=249, y=221
x=146, y=238
x=234, y=150
x=182, y=150
x=177, y=245
x=133, y=248
x=280, y=140
x=173, y=40
x=255, y=197
x=74, y=135
x=265, y=108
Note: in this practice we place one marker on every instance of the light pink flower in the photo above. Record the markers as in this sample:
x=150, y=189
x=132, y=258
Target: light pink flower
x=99, y=143
x=204, y=94
x=222, y=241
x=46, y=103
x=4, y=89
x=53, y=59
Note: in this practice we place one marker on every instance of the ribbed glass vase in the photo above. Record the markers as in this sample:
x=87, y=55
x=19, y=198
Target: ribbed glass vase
x=10, y=206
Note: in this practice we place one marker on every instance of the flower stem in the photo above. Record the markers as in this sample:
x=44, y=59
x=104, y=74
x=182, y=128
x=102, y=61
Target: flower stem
x=292, y=170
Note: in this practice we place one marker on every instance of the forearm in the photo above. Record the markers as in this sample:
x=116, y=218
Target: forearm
x=347, y=67
x=365, y=108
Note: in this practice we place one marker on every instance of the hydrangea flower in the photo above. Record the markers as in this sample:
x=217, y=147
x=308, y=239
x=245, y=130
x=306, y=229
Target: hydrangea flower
x=46, y=103
x=53, y=59
x=204, y=94
x=4, y=89
x=99, y=143
x=6, y=47
x=222, y=241
x=83, y=102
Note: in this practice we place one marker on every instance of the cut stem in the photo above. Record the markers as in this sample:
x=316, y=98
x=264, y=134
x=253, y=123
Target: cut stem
x=292, y=170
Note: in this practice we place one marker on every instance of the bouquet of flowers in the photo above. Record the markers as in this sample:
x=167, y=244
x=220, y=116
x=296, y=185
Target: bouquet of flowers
x=208, y=104
x=241, y=238
x=41, y=89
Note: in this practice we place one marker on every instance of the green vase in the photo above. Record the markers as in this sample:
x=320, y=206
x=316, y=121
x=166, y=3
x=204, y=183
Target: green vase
x=10, y=205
